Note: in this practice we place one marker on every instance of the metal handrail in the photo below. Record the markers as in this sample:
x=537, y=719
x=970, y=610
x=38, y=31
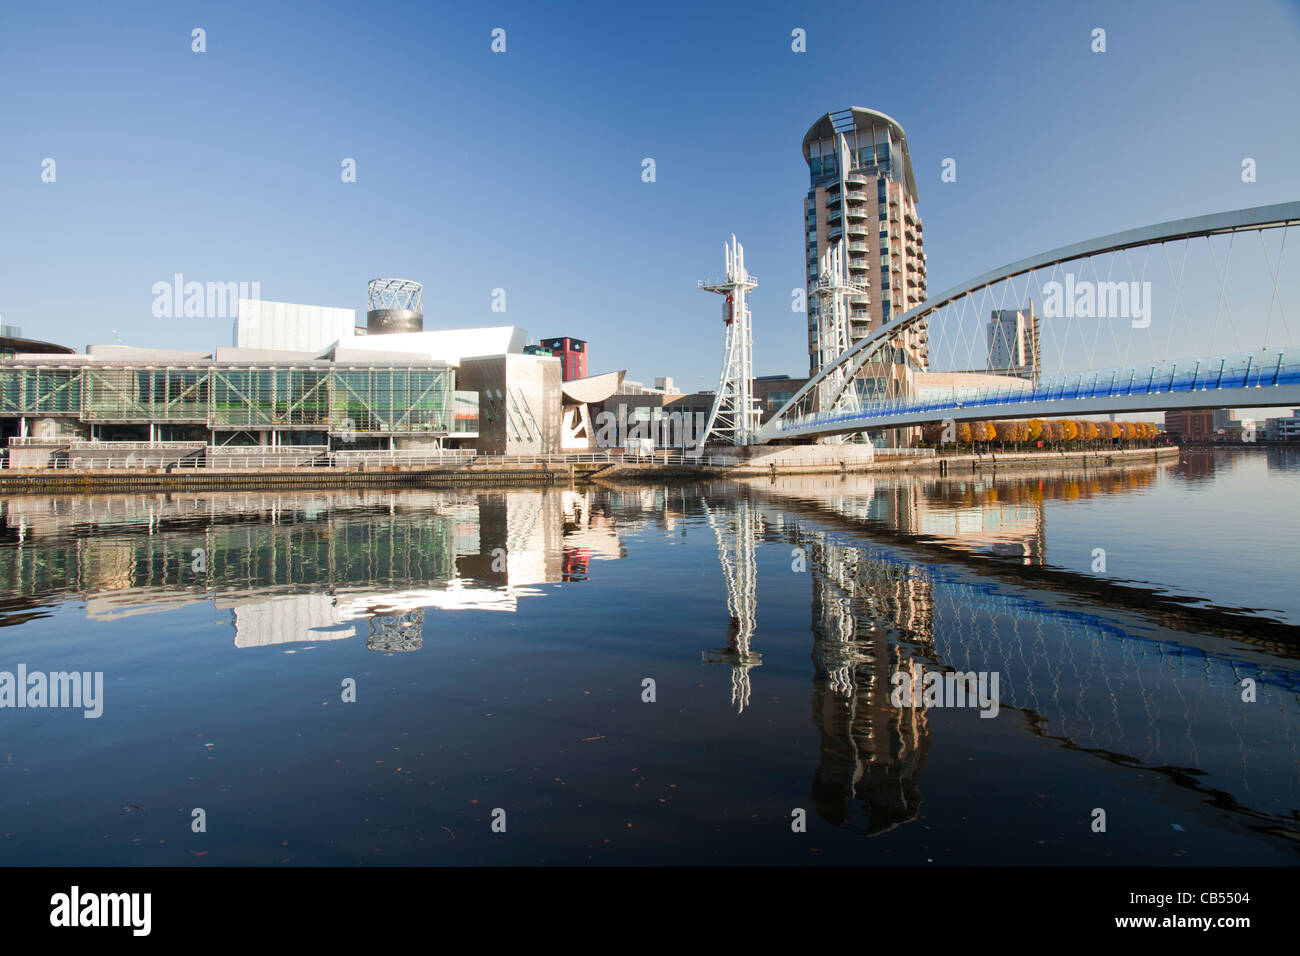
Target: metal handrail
x=1234, y=372
x=218, y=458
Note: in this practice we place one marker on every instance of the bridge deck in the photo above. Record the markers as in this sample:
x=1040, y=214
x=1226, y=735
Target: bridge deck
x=1227, y=382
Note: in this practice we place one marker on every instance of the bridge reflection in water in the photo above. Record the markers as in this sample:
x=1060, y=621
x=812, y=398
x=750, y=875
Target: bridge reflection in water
x=1128, y=685
x=1122, y=692
x=1129, y=688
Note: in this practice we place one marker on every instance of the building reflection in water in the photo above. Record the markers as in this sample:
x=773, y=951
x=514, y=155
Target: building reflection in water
x=321, y=566
x=864, y=610
x=1122, y=688
x=1200, y=463
x=304, y=566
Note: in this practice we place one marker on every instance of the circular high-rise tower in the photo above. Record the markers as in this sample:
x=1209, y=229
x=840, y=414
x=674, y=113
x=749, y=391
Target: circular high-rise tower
x=394, y=306
x=862, y=198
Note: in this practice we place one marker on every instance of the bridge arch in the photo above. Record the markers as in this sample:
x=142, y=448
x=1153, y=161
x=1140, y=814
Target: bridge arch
x=1263, y=376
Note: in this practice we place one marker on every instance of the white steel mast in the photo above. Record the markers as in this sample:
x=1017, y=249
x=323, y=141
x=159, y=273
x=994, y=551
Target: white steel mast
x=734, y=419
x=832, y=290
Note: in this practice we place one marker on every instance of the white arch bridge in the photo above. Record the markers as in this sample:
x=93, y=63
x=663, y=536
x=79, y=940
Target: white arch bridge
x=1182, y=315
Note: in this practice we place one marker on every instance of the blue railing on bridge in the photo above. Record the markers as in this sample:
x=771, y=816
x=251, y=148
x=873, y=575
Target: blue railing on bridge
x=1251, y=370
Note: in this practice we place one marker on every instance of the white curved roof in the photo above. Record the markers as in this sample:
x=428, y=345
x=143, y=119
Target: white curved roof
x=593, y=388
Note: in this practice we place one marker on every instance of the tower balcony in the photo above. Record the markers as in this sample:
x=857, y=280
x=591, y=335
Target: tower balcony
x=851, y=192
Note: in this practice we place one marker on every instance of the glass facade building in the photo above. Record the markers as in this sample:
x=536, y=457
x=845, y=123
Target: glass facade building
x=408, y=401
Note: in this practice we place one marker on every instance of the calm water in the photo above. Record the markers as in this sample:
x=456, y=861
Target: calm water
x=500, y=642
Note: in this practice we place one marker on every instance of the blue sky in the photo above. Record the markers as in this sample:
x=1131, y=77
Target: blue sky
x=522, y=170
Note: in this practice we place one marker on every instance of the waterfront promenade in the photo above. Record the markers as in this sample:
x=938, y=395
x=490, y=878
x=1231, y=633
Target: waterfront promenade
x=381, y=470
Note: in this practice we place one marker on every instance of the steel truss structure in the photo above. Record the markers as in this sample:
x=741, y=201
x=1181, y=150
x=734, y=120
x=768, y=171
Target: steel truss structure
x=403, y=295
x=734, y=418
x=736, y=555
x=833, y=290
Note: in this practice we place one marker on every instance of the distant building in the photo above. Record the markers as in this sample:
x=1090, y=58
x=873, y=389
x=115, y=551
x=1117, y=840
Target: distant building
x=1193, y=424
x=1283, y=429
x=676, y=420
x=537, y=350
x=572, y=354
x=629, y=387
x=957, y=387
x=1236, y=420
x=773, y=391
x=673, y=421
x=12, y=343
x=1013, y=337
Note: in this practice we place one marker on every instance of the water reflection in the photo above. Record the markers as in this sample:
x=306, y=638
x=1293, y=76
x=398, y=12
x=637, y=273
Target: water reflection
x=865, y=611
x=1106, y=680
x=299, y=566
x=1200, y=463
x=737, y=534
x=1101, y=680
x=1128, y=692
